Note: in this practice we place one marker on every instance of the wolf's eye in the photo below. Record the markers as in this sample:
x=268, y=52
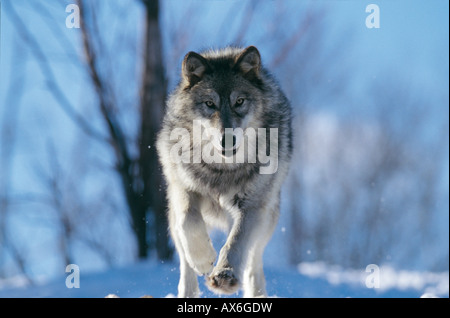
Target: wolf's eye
x=239, y=101
x=209, y=103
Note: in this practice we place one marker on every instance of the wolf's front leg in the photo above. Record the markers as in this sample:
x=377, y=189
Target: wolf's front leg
x=246, y=231
x=226, y=276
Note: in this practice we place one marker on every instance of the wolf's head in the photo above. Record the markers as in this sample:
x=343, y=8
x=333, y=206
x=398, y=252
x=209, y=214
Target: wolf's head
x=224, y=89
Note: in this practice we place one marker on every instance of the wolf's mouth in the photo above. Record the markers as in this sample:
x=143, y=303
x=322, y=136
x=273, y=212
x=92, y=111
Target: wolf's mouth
x=229, y=152
x=228, y=144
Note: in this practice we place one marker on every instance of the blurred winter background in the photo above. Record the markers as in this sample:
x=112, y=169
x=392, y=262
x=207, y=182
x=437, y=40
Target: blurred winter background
x=79, y=109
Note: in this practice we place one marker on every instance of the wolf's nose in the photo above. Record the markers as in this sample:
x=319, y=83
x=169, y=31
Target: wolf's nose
x=228, y=141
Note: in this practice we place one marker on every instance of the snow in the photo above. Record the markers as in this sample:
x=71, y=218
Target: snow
x=307, y=280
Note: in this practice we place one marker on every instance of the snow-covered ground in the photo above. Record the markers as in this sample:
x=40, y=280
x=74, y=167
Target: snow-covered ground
x=308, y=280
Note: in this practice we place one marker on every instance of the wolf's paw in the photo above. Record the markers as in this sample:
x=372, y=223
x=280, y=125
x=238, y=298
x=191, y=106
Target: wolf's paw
x=202, y=260
x=223, y=282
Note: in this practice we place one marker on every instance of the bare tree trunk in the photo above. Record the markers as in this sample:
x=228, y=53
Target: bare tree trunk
x=141, y=177
x=153, y=96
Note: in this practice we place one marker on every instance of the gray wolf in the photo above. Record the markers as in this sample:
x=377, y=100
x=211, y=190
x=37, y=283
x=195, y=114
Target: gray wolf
x=234, y=104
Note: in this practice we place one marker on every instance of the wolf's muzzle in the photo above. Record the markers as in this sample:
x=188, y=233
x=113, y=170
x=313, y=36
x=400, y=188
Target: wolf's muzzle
x=229, y=144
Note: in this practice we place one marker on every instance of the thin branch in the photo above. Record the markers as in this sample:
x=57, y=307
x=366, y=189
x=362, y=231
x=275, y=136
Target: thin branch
x=245, y=22
x=117, y=139
x=289, y=45
x=51, y=21
x=51, y=81
x=8, y=142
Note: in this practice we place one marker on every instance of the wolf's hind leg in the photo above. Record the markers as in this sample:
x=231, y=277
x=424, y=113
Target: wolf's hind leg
x=188, y=284
x=253, y=280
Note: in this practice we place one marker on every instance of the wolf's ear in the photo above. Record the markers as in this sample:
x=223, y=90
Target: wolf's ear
x=194, y=67
x=249, y=62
